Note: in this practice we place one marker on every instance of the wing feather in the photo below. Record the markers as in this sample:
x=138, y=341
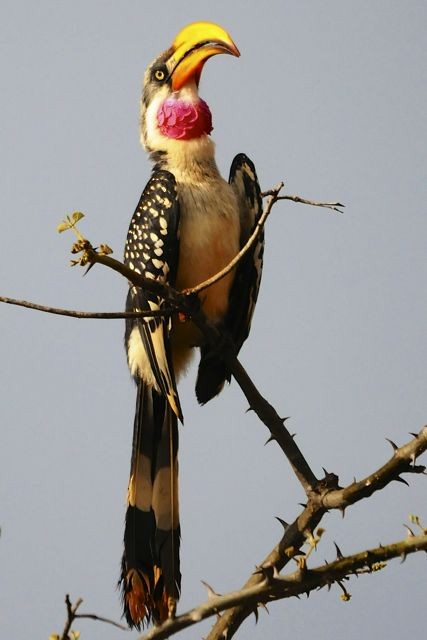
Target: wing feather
x=244, y=292
x=212, y=371
x=152, y=249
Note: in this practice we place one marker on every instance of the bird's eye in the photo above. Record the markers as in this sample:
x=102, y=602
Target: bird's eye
x=159, y=74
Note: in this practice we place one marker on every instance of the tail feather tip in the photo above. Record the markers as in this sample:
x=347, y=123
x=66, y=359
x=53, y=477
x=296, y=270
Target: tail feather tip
x=142, y=604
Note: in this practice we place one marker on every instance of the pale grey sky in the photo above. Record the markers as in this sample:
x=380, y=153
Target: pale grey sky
x=329, y=96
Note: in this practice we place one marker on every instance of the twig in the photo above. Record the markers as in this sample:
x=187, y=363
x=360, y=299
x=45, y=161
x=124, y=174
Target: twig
x=93, y=616
x=274, y=193
x=314, y=203
x=275, y=587
x=98, y=315
x=72, y=615
x=326, y=205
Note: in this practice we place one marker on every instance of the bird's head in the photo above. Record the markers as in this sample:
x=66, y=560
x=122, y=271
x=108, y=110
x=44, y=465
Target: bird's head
x=171, y=109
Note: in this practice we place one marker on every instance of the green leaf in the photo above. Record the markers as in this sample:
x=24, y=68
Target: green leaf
x=76, y=216
x=63, y=226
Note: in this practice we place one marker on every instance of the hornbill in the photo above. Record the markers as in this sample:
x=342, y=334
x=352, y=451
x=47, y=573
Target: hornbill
x=188, y=225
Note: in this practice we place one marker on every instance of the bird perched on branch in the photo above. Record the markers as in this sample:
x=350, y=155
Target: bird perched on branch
x=188, y=225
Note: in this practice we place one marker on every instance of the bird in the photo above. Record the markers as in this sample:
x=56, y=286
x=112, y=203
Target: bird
x=189, y=224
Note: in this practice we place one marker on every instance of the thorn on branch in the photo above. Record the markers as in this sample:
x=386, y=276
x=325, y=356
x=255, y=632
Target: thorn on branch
x=211, y=592
x=402, y=480
x=393, y=444
x=284, y=524
x=269, y=572
x=339, y=554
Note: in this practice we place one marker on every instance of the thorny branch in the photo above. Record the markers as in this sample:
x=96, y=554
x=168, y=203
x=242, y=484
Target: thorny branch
x=265, y=584
x=322, y=494
x=274, y=587
x=295, y=534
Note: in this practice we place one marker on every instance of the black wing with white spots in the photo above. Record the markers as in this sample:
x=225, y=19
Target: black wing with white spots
x=152, y=249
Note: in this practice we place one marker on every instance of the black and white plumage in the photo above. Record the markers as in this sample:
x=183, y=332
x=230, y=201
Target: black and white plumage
x=188, y=225
x=243, y=295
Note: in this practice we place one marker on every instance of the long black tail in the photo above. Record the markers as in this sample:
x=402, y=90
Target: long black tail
x=151, y=578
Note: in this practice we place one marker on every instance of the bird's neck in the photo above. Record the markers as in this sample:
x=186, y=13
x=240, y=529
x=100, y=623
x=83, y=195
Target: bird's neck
x=188, y=160
x=175, y=130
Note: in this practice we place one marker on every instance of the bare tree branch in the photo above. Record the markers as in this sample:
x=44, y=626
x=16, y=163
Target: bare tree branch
x=93, y=616
x=72, y=615
x=98, y=315
x=274, y=587
x=314, y=203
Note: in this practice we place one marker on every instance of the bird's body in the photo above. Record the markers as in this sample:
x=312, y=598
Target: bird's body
x=209, y=238
x=189, y=224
